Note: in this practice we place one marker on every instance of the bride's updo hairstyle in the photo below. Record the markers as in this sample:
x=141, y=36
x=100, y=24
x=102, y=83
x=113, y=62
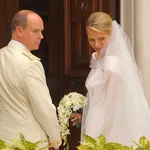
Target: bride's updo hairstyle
x=99, y=22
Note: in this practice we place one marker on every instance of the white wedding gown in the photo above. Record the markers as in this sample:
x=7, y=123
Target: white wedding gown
x=116, y=105
x=128, y=121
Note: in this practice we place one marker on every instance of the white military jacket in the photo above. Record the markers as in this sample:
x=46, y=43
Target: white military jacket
x=25, y=103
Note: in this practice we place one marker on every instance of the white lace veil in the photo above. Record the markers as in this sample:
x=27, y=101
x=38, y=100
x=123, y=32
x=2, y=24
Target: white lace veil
x=122, y=96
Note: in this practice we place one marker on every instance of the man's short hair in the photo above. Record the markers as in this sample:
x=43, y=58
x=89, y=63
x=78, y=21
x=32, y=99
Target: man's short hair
x=20, y=19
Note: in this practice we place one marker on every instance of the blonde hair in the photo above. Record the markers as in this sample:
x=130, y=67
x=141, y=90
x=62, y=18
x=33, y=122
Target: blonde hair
x=99, y=21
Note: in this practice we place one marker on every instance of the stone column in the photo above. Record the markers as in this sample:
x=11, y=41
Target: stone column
x=142, y=41
x=127, y=18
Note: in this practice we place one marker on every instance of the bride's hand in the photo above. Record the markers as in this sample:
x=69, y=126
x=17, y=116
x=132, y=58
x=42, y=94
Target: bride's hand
x=76, y=117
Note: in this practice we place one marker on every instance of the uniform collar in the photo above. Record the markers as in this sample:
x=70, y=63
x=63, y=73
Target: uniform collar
x=17, y=45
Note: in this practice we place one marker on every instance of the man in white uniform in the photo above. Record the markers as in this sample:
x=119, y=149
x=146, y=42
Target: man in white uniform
x=25, y=103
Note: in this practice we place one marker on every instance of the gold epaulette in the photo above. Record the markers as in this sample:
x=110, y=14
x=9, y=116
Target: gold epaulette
x=31, y=56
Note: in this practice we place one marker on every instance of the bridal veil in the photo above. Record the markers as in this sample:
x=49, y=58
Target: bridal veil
x=125, y=114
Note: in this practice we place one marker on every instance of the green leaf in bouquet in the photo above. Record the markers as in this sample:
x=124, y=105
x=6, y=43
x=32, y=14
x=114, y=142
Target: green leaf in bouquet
x=116, y=146
x=101, y=144
x=89, y=139
x=101, y=140
x=22, y=139
x=23, y=144
x=84, y=147
x=16, y=148
x=141, y=148
x=138, y=145
x=112, y=146
x=3, y=144
x=99, y=147
x=127, y=148
x=144, y=142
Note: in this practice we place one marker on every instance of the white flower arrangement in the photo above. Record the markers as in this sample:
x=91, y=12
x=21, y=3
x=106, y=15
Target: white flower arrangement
x=70, y=103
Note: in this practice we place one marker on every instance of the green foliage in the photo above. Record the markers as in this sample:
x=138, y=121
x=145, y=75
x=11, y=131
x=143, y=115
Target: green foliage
x=144, y=144
x=22, y=144
x=3, y=144
x=101, y=144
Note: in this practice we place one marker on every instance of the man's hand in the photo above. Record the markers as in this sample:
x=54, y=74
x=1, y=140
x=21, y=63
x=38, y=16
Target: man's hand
x=76, y=117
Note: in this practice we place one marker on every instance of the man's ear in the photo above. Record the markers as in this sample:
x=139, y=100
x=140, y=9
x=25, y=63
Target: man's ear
x=19, y=31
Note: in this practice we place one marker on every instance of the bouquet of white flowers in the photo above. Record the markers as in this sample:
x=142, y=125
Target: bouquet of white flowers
x=70, y=103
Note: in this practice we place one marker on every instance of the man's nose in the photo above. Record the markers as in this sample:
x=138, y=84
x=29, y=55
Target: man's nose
x=41, y=36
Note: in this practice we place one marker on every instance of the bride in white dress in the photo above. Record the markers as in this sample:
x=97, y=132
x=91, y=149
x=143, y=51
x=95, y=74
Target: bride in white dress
x=116, y=105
